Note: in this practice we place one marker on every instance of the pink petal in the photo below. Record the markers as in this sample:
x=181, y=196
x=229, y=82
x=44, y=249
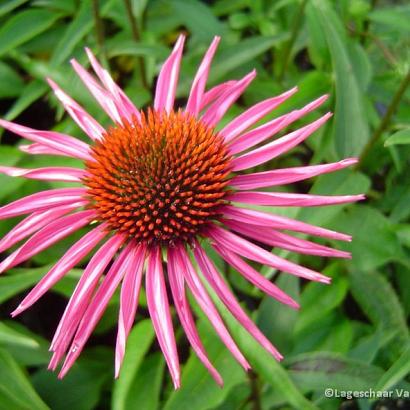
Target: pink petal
x=196, y=94
x=286, y=175
x=176, y=281
x=267, y=130
x=50, y=234
x=285, y=241
x=228, y=240
x=34, y=222
x=201, y=296
x=158, y=307
x=255, y=277
x=168, y=78
x=215, y=279
x=42, y=201
x=130, y=291
x=253, y=114
x=215, y=92
x=277, y=147
x=287, y=199
x=122, y=265
x=102, y=97
x=124, y=105
x=64, y=174
x=258, y=218
x=84, y=120
x=82, y=293
x=40, y=149
x=71, y=258
x=54, y=140
x=217, y=110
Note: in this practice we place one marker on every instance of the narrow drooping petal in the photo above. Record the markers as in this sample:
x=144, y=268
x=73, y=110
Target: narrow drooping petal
x=42, y=201
x=168, y=78
x=102, y=97
x=158, y=307
x=177, y=283
x=215, y=92
x=54, y=140
x=195, y=98
x=206, y=304
x=253, y=114
x=45, y=237
x=34, y=222
x=124, y=105
x=217, y=110
x=249, y=216
x=130, y=290
x=290, y=199
x=40, y=149
x=267, y=130
x=282, y=240
x=98, y=305
x=228, y=240
x=222, y=290
x=275, y=148
x=255, y=277
x=286, y=175
x=84, y=120
x=82, y=293
x=64, y=174
x=70, y=259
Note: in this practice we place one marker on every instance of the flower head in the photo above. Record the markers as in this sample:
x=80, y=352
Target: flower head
x=165, y=180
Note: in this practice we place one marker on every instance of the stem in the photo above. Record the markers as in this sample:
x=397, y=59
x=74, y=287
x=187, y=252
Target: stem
x=255, y=394
x=386, y=118
x=137, y=37
x=99, y=30
x=295, y=30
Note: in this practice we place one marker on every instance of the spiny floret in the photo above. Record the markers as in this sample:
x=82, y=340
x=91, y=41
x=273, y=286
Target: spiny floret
x=160, y=179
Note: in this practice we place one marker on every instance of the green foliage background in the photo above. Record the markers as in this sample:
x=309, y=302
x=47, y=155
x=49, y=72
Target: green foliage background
x=352, y=335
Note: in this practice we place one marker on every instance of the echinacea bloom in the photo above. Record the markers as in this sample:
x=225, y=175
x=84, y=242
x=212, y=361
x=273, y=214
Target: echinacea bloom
x=155, y=185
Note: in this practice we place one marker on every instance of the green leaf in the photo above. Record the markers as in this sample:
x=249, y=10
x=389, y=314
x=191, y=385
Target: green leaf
x=401, y=137
x=82, y=387
x=317, y=301
x=317, y=370
x=350, y=126
x=398, y=371
x=138, y=344
x=10, y=336
x=75, y=31
x=271, y=371
x=10, y=82
x=276, y=320
x=380, y=303
x=263, y=363
x=233, y=56
x=18, y=280
x=199, y=390
x=198, y=18
x=9, y=156
x=396, y=18
x=375, y=241
x=146, y=386
x=9, y=5
x=24, y=26
x=28, y=95
x=16, y=392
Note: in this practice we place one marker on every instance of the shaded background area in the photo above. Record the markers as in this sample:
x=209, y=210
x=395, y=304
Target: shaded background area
x=352, y=335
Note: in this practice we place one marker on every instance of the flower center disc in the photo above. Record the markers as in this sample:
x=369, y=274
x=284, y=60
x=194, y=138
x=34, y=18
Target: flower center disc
x=160, y=179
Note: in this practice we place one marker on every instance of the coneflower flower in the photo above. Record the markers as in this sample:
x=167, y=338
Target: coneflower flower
x=156, y=184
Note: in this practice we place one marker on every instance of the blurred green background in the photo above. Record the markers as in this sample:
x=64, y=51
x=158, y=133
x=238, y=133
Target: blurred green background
x=352, y=335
